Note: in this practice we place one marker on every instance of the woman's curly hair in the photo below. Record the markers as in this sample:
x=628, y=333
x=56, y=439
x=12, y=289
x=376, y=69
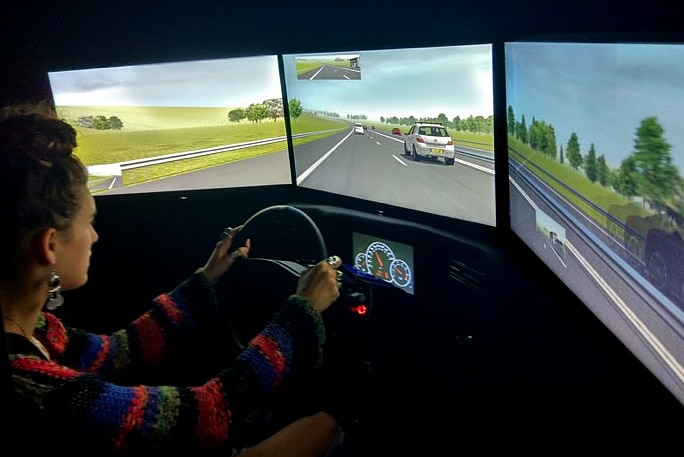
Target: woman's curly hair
x=40, y=177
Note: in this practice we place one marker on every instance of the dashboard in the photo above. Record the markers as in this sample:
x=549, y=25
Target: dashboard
x=387, y=260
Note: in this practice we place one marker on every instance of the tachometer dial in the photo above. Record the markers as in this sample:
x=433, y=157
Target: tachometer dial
x=360, y=261
x=400, y=272
x=379, y=257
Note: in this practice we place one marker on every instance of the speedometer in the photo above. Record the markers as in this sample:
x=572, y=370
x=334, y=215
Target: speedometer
x=400, y=272
x=379, y=257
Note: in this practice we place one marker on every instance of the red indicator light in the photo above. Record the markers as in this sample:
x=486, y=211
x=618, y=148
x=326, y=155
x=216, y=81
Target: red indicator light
x=360, y=310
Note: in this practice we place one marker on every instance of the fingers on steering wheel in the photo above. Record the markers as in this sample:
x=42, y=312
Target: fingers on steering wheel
x=231, y=232
x=335, y=262
x=228, y=232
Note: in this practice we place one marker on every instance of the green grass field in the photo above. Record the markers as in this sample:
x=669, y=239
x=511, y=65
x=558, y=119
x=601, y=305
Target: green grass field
x=305, y=65
x=155, y=131
x=474, y=140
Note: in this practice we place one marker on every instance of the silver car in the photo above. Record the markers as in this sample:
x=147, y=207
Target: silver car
x=429, y=140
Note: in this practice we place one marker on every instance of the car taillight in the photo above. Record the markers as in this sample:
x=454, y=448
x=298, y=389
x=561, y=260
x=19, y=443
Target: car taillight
x=450, y=143
x=420, y=139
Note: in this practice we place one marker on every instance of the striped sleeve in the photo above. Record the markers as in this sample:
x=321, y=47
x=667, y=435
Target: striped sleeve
x=104, y=416
x=127, y=355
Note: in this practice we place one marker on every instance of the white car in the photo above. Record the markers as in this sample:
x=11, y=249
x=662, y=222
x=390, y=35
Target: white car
x=429, y=140
x=358, y=128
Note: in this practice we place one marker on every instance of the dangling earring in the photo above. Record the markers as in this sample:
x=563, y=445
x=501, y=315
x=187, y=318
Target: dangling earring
x=55, y=298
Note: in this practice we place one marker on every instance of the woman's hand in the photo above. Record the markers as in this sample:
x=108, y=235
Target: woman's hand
x=319, y=284
x=221, y=258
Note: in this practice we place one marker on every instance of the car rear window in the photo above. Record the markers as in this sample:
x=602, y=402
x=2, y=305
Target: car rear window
x=433, y=131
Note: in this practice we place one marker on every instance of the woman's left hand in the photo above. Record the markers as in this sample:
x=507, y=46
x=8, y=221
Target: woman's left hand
x=222, y=258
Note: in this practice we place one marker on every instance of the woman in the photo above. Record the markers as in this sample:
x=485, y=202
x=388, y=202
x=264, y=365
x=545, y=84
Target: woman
x=86, y=391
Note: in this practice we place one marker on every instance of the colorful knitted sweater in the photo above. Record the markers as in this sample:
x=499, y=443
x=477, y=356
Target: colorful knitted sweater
x=90, y=384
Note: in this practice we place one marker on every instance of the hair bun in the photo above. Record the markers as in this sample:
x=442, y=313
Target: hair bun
x=38, y=137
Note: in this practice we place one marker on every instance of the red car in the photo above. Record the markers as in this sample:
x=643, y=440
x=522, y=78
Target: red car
x=396, y=131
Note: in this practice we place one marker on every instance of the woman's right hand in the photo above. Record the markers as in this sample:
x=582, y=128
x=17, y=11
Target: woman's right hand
x=222, y=258
x=319, y=284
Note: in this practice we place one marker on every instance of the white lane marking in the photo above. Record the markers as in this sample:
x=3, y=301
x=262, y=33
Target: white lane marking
x=317, y=163
x=399, y=160
x=626, y=311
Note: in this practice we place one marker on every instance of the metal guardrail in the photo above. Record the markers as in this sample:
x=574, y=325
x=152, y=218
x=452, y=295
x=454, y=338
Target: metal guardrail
x=115, y=169
x=137, y=163
x=616, y=229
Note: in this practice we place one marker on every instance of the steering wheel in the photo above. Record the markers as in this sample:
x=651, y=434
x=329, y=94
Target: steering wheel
x=285, y=241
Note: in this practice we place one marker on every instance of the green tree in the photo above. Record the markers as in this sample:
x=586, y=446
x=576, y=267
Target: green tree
x=295, y=108
x=104, y=123
x=236, y=115
x=100, y=122
x=510, y=121
x=572, y=151
x=257, y=112
x=275, y=107
x=603, y=172
x=543, y=138
x=483, y=124
x=625, y=178
x=115, y=123
x=552, y=148
x=658, y=179
x=591, y=164
x=521, y=131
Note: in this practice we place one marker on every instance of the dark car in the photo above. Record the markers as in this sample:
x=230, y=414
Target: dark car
x=664, y=254
x=396, y=131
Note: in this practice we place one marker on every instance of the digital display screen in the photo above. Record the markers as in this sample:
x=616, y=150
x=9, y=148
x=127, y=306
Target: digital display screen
x=177, y=126
x=352, y=116
x=411, y=127
x=385, y=260
x=596, y=155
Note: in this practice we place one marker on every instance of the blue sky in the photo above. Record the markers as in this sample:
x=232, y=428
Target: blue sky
x=599, y=91
x=228, y=83
x=421, y=82
x=456, y=81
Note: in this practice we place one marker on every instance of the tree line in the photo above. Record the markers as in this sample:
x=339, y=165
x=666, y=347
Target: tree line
x=647, y=171
x=475, y=124
x=100, y=122
x=268, y=109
